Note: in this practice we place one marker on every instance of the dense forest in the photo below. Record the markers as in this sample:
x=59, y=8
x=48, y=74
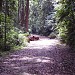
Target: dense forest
x=65, y=21
x=50, y=18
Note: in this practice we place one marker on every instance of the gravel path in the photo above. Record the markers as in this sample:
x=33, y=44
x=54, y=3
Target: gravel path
x=42, y=57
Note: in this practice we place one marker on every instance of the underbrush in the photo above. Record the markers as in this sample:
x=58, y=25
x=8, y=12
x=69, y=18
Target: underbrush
x=16, y=40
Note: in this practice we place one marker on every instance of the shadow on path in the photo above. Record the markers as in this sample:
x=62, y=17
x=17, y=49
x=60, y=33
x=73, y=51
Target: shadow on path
x=42, y=57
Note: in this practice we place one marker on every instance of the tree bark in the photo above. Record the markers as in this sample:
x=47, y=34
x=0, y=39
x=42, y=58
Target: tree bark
x=1, y=4
x=27, y=15
x=22, y=14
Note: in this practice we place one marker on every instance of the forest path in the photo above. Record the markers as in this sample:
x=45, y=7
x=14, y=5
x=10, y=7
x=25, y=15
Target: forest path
x=43, y=57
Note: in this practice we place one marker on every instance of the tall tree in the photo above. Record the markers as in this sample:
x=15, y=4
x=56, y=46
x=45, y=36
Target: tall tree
x=7, y=16
x=23, y=14
x=1, y=4
x=27, y=15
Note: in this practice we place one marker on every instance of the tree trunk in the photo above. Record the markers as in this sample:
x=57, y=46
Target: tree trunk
x=5, y=26
x=1, y=5
x=22, y=14
x=27, y=15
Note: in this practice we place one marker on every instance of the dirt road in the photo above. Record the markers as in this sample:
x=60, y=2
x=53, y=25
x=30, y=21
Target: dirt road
x=42, y=57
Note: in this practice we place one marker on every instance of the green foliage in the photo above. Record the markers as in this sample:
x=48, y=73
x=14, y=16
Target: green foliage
x=14, y=39
x=66, y=25
x=39, y=11
x=62, y=28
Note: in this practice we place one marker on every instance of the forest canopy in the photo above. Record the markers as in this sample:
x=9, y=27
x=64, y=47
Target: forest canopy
x=42, y=17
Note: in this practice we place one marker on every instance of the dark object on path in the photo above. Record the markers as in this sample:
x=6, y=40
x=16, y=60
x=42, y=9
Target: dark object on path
x=52, y=35
x=33, y=38
x=33, y=29
x=6, y=48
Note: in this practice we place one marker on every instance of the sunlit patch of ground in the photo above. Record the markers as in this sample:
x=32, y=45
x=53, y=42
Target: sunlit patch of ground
x=42, y=57
x=32, y=60
x=43, y=43
x=24, y=73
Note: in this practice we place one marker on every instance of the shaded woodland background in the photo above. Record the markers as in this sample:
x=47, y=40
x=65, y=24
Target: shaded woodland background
x=51, y=18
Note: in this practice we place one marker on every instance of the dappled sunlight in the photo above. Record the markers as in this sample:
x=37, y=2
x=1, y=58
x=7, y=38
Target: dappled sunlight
x=24, y=73
x=16, y=67
x=43, y=43
x=5, y=62
x=37, y=37
x=30, y=59
x=12, y=59
x=31, y=63
x=12, y=65
x=38, y=59
x=14, y=55
x=42, y=57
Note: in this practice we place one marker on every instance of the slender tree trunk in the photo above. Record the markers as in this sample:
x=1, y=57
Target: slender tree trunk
x=1, y=4
x=18, y=10
x=27, y=15
x=5, y=24
x=22, y=14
